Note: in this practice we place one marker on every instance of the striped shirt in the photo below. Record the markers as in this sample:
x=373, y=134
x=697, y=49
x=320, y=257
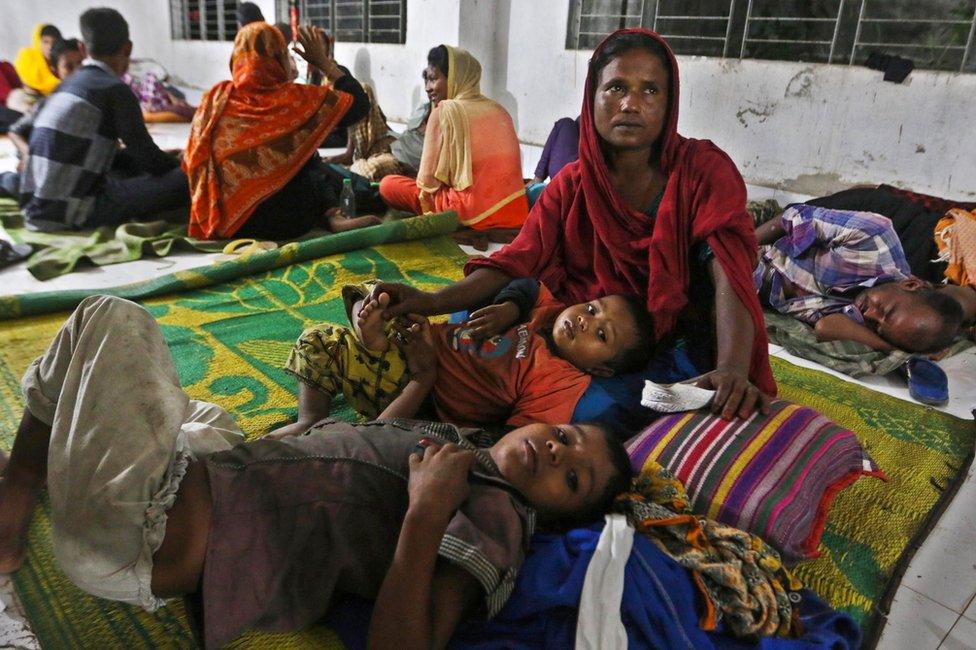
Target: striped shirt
x=73, y=143
x=825, y=259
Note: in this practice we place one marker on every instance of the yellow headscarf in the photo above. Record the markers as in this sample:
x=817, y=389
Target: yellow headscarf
x=33, y=68
x=463, y=96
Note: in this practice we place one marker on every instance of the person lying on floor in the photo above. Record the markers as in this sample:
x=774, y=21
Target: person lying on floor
x=374, y=150
x=154, y=495
x=525, y=358
x=251, y=160
x=65, y=184
x=845, y=274
x=35, y=69
x=471, y=161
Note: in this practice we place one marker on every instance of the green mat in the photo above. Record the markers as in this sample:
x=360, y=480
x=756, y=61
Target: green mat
x=229, y=341
x=428, y=225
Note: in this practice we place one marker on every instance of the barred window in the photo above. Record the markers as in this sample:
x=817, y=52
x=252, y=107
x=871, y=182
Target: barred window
x=935, y=34
x=203, y=20
x=354, y=21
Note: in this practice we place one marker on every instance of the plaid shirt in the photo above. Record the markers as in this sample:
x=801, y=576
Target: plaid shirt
x=825, y=259
x=73, y=143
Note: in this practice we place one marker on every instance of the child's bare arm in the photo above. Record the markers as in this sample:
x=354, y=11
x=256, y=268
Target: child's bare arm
x=417, y=343
x=838, y=327
x=313, y=405
x=422, y=600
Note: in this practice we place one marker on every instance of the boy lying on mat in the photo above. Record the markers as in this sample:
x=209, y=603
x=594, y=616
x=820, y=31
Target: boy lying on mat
x=525, y=358
x=154, y=495
x=845, y=273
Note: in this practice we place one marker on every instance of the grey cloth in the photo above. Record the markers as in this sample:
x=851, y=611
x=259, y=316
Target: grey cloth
x=409, y=146
x=297, y=520
x=122, y=434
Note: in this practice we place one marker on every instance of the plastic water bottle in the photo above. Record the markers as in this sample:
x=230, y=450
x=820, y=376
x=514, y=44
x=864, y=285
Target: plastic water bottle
x=347, y=198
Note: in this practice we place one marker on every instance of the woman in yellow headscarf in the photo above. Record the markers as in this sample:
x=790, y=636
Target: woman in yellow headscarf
x=471, y=161
x=32, y=62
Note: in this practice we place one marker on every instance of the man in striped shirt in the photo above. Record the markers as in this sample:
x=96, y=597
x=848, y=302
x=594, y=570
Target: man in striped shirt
x=66, y=182
x=845, y=273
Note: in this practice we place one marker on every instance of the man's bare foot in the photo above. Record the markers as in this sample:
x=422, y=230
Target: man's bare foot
x=16, y=506
x=340, y=223
x=368, y=323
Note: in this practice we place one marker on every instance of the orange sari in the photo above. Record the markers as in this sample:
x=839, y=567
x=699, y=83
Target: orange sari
x=252, y=135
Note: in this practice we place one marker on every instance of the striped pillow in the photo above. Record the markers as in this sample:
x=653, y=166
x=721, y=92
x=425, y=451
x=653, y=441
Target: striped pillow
x=771, y=475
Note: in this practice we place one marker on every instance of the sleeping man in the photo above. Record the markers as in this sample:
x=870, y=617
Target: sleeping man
x=845, y=274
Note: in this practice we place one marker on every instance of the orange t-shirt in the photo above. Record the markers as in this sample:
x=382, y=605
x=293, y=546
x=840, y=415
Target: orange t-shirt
x=513, y=377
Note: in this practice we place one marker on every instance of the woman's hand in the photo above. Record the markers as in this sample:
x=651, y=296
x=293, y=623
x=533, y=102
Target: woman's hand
x=734, y=393
x=493, y=319
x=315, y=49
x=438, y=483
x=404, y=300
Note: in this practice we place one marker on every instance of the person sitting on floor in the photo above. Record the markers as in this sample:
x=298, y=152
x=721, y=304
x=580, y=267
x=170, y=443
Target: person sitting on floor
x=471, y=161
x=562, y=148
x=154, y=495
x=66, y=56
x=845, y=274
x=65, y=184
x=247, y=13
x=251, y=160
x=35, y=69
x=374, y=150
x=490, y=370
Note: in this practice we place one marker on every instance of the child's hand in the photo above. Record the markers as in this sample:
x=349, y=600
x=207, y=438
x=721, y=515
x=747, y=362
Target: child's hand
x=493, y=319
x=438, y=482
x=415, y=339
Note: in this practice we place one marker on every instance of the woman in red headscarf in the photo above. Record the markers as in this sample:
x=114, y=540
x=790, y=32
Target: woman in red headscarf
x=251, y=160
x=643, y=211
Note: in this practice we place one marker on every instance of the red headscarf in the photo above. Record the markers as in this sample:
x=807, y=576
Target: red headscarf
x=251, y=135
x=584, y=241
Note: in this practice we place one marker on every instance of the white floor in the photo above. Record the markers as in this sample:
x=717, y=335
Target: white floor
x=935, y=607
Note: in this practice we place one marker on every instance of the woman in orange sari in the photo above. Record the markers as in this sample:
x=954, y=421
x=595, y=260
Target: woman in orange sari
x=251, y=160
x=471, y=161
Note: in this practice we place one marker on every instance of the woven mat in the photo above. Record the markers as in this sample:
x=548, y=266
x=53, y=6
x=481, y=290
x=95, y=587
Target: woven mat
x=229, y=341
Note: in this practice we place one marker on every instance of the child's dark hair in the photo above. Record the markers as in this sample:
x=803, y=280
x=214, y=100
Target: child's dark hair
x=104, y=31
x=951, y=313
x=51, y=30
x=62, y=47
x=619, y=482
x=437, y=57
x=247, y=13
x=285, y=30
x=638, y=355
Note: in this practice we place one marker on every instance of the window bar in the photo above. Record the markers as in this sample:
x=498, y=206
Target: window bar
x=367, y=36
x=728, y=30
x=833, y=41
x=185, y=18
x=745, y=31
x=969, y=43
x=657, y=11
x=857, y=32
x=219, y=8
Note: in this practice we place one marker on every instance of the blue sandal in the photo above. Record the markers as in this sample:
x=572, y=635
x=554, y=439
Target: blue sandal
x=927, y=382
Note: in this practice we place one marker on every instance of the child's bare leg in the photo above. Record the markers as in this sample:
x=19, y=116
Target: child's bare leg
x=313, y=405
x=339, y=223
x=23, y=476
x=368, y=323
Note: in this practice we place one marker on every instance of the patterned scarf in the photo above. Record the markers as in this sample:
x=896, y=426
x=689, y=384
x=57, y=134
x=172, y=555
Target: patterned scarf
x=251, y=135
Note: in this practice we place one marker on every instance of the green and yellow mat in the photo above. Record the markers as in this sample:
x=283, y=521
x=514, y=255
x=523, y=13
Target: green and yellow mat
x=229, y=341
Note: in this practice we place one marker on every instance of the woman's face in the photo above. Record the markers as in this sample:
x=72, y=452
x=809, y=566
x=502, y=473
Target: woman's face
x=435, y=84
x=631, y=100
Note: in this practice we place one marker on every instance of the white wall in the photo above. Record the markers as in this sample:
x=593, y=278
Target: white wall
x=807, y=128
